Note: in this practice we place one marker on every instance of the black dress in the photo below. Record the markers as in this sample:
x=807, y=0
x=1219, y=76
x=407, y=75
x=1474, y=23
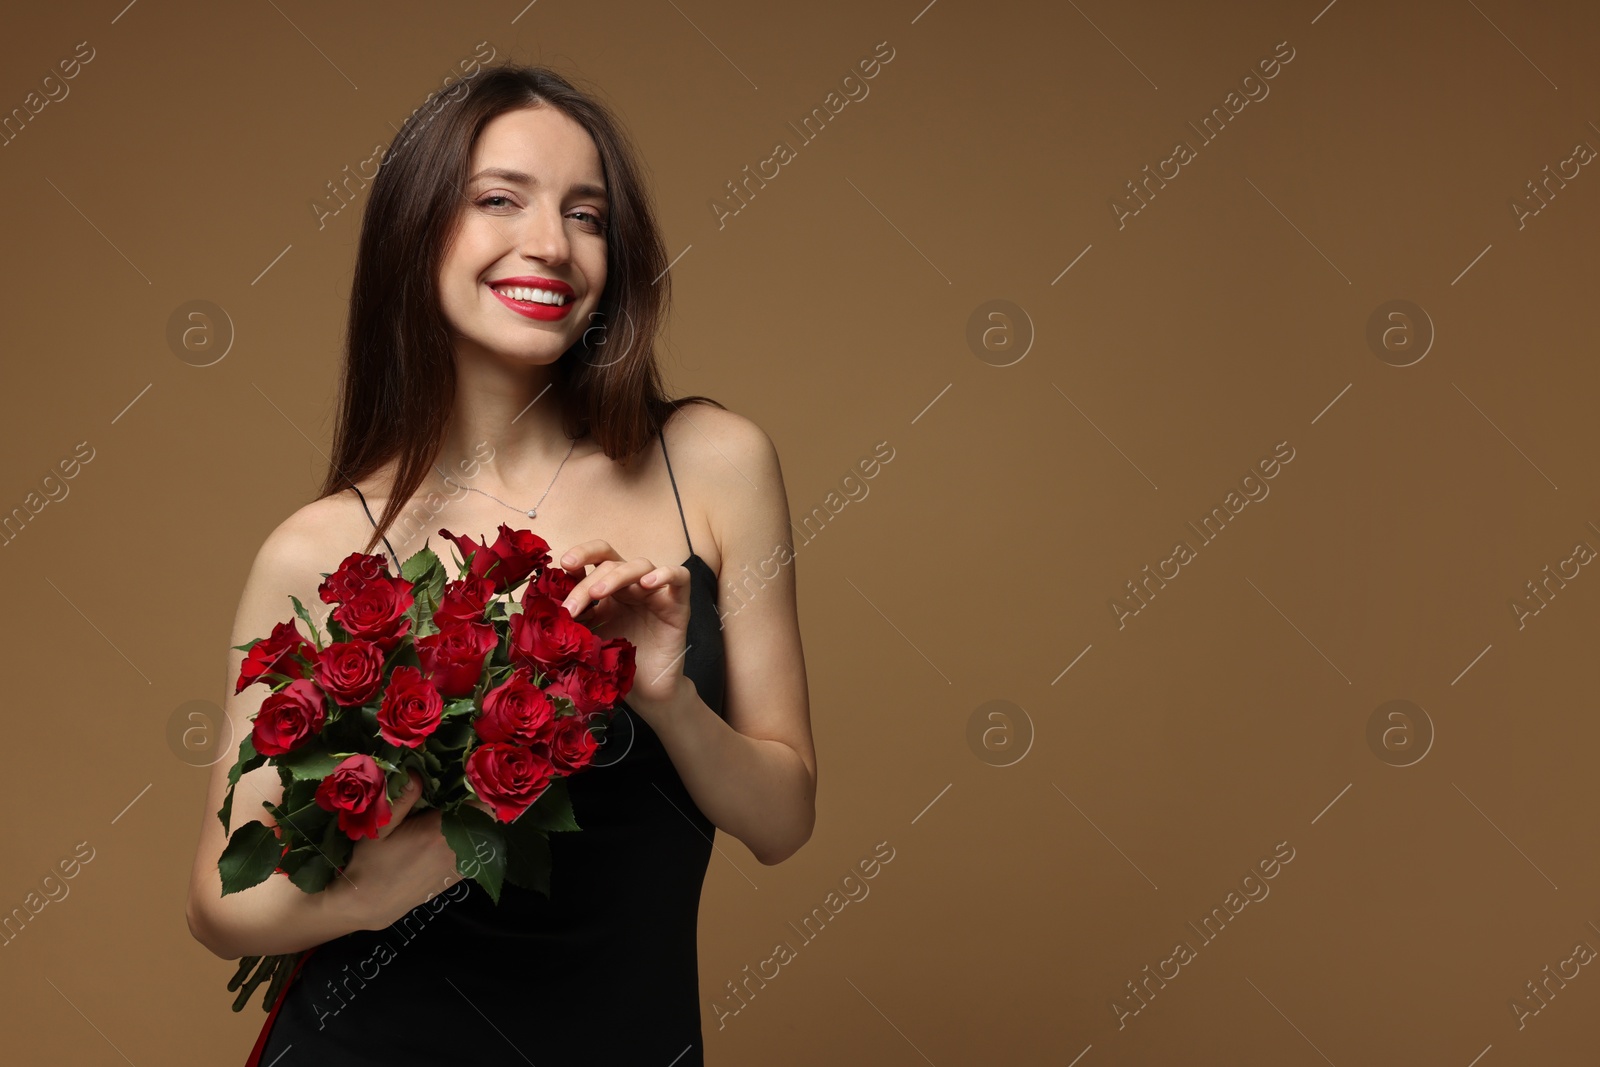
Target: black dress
x=604, y=971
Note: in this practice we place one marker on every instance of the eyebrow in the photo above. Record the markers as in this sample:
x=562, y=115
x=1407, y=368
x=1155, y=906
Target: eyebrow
x=522, y=178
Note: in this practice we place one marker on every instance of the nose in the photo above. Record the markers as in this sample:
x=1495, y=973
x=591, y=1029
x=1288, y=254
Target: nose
x=543, y=234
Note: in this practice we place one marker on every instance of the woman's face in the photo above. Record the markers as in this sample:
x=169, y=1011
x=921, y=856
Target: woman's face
x=527, y=263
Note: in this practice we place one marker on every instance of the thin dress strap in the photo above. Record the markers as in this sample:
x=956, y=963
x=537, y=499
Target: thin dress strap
x=662, y=434
x=393, y=556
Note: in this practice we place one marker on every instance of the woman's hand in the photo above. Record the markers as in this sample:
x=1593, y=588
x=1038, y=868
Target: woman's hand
x=406, y=865
x=638, y=600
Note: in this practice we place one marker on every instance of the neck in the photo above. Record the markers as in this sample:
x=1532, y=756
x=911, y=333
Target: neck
x=506, y=434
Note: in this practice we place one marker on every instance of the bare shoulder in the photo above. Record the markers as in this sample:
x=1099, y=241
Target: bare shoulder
x=320, y=529
x=311, y=541
x=720, y=444
x=729, y=466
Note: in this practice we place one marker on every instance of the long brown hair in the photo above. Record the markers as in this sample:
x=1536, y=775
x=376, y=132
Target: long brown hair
x=398, y=380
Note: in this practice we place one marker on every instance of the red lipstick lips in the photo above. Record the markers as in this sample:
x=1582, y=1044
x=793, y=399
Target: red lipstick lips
x=531, y=308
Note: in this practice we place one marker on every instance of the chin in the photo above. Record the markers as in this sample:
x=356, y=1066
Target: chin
x=534, y=355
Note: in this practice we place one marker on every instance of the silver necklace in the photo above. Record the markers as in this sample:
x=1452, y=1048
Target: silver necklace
x=532, y=512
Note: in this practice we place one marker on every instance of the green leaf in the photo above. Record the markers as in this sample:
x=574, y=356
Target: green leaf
x=403, y=655
x=426, y=574
x=451, y=735
x=248, y=645
x=552, y=811
x=300, y=793
x=468, y=827
x=527, y=837
x=308, y=869
x=247, y=761
x=423, y=568
x=336, y=844
x=300, y=817
x=529, y=862
x=250, y=858
x=431, y=763
x=311, y=760
x=335, y=631
x=300, y=610
x=311, y=865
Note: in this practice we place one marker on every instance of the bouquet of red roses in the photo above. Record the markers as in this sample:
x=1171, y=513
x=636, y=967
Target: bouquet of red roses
x=483, y=694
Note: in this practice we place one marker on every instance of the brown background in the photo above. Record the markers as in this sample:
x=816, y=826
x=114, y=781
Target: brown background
x=1229, y=315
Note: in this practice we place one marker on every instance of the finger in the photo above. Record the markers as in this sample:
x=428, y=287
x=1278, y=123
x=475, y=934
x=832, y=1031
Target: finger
x=647, y=587
x=402, y=805
x=580, y=599
x=648, y=584
x=606, y=580
x=580, y=555
x=573, y=569
x=399, y=810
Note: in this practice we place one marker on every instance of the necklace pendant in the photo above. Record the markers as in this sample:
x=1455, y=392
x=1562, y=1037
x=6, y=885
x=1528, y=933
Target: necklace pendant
x=533, y=513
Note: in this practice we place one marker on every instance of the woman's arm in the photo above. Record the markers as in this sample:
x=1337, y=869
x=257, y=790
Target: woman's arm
x=755, y=774
x=274, y=917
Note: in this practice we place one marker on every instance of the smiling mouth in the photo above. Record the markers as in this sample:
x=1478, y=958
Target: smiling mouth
x=525, y=295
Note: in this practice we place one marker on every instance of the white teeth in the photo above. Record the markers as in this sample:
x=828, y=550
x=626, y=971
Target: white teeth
x=534, y=296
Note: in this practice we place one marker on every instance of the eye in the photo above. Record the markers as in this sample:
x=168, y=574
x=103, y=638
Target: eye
x=484, y=201
x=596, y=223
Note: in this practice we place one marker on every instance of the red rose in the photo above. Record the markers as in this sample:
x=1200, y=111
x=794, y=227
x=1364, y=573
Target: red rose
x=411, y=708
x=275, y=655
x=453, y=657
x=288, y=718
x=570, y=743
x=466, y=600
x=516, y=710
x=357, y=570
x=358, y=791
x=545, y=636
x=507, y=777
x=513, y=556
x=552, y=582
x=351, y=671
x=377, y=611
x=589, y=690
x=600, y=683
x=616, y=662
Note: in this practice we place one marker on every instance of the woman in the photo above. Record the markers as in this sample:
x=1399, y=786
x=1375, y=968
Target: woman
x=500, y=368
